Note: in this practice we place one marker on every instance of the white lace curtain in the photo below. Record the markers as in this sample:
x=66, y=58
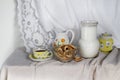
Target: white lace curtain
x=39, y=18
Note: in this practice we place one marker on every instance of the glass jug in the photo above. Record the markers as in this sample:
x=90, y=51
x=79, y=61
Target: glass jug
x=89, y=44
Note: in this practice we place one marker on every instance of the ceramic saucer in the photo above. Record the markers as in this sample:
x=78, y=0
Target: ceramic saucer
x=40, y=59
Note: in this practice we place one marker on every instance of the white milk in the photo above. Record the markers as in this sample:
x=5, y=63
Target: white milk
x=88, y=33
x=88, y=43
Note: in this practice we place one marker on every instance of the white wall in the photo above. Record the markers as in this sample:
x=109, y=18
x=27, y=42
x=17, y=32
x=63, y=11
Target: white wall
x=9, y=33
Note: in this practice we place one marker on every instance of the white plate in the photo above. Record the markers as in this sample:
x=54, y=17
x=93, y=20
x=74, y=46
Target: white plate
x=32, y=58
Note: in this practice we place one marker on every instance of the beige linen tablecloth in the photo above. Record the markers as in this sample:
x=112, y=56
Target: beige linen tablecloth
x=103, y=67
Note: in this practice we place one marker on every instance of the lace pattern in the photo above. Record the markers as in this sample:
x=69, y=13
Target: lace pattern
x=62, y=15
x=33, y=34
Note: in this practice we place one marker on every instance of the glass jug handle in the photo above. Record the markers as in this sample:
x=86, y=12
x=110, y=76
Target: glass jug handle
x=72, y=38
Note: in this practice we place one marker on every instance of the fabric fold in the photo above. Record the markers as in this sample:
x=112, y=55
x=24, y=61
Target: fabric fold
x=103, y=67
x=21, y=73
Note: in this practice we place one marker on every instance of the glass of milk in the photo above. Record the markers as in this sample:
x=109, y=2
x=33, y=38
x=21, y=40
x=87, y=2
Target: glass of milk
x=89, y=44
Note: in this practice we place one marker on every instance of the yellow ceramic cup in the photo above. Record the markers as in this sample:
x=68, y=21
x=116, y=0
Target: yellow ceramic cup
x=41, y=54
x=106, y=42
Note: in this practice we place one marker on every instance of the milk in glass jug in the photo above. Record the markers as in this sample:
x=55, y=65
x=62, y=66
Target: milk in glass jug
x=89, y=44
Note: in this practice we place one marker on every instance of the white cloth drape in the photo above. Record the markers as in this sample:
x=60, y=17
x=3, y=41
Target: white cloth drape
x=64, y=14
x=38, y=18
x=103, y=67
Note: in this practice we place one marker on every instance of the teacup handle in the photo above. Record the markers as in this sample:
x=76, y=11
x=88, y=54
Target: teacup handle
x=72, y=35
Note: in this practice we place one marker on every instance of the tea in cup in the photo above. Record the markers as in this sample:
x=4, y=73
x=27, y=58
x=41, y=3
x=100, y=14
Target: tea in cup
x=41, y=54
